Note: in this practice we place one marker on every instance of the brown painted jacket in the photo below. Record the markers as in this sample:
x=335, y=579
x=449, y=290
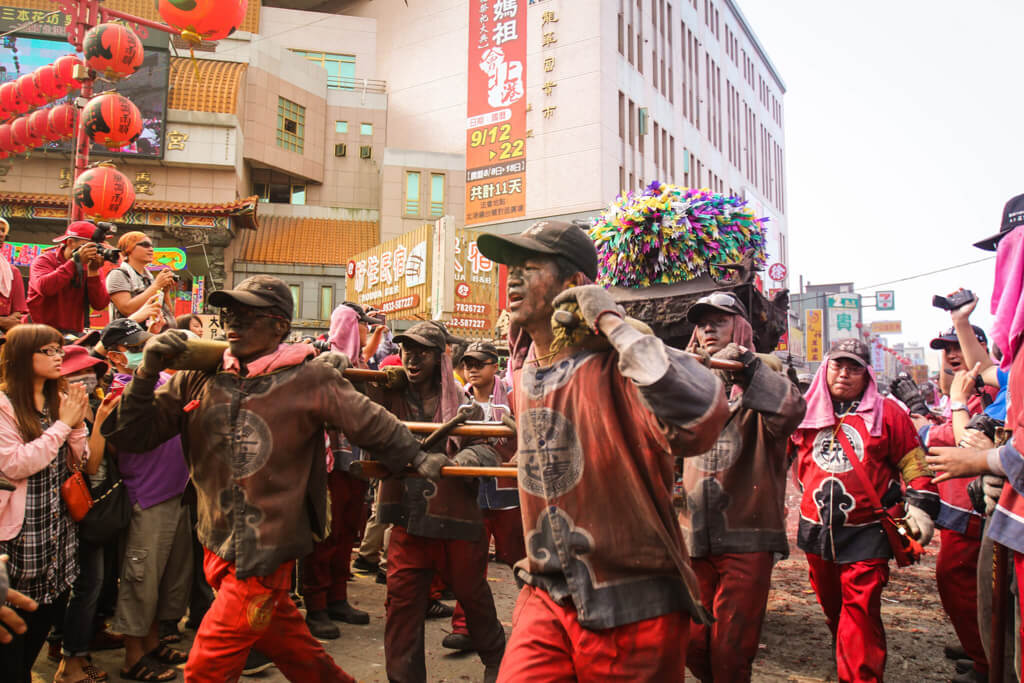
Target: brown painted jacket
x=735, y=493
x=255, y=449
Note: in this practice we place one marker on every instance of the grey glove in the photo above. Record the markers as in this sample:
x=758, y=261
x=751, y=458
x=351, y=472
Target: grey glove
x=919, y=524
x=161, y=351
x=397, y=379
x=428, y=465
x=467, y=457
x=336, y=360
x=992, y=485
x=593, y=300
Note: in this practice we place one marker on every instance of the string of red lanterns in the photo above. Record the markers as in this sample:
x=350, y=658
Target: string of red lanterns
x=876, y=341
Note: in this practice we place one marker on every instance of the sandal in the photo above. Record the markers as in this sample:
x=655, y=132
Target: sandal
x=148, y=669
x=95, y=673
x=168, y=655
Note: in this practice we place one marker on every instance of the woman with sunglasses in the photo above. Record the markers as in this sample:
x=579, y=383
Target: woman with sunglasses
x=131, y=285
x=42, y=435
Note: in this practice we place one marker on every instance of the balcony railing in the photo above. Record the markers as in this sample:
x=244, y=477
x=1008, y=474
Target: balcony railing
x=364, y=85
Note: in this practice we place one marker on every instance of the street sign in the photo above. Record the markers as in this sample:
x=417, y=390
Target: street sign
x=777, y=272
x=814, y=339
x=887, y=327
x=885, y=300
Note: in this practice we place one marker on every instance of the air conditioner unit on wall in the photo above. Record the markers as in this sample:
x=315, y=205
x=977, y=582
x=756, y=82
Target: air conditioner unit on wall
x=365, y=152
x=340, y=149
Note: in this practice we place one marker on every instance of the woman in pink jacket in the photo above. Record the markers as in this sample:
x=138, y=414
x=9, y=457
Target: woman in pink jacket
x=42, y=435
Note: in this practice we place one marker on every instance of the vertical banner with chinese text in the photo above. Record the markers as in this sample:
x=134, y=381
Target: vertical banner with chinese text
x=496, y=111
x=814, y=340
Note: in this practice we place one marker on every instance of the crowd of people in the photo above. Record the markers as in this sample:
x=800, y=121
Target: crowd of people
x=642, y=522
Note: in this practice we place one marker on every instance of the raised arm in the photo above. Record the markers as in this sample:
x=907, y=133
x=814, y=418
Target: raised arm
x=974, y=351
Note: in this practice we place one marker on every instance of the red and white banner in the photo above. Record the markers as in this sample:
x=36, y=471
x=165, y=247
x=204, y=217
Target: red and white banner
x=496, y=112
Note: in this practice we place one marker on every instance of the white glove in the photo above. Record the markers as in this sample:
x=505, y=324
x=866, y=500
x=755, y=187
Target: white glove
x=919, y=524
x=992, y=485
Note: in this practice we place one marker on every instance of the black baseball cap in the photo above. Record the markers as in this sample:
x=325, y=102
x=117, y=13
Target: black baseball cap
x=854, y=349
x=123, y=332
x=1013, y=217
x=258, y=291
x=949, y=337
x=721, y=302
x=361, y=312
x=482, y=351
x=424, y=333
x=552, y=238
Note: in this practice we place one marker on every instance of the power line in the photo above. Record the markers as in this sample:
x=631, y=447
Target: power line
x=930, y=272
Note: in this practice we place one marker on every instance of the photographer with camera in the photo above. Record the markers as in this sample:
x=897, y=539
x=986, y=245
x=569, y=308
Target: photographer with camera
x=131, y=285
x=65, y=281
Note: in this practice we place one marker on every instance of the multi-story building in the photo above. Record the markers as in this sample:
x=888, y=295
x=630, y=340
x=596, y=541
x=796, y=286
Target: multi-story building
x=308, y=136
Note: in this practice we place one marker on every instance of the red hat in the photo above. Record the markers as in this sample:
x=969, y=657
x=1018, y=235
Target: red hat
x=391, y=361
x=78, y=358
x=80, y=230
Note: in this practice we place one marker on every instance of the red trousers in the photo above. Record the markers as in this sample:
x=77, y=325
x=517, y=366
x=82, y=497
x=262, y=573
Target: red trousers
x=412, y=563
x=734, y=588
x=548, y=644
x=326, y=571
x=956, y=573
x=851, y=596
x=255, y=612
x=506, y=527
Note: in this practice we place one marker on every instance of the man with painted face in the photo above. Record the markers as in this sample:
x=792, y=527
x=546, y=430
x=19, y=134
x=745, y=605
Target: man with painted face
x=734, y=521
x=847, y=548
x=438, y=526
x=253, y=432
x=605, y=559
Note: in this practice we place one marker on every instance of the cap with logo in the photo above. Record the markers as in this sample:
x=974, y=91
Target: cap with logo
x=1013, y=217
x=720, y=302
x=424, y=333
x=552, y=238
x=482, y=351
x=853, y=349
x=123, y=332
x=258, y=291
x=949, y=337
x=79, y=230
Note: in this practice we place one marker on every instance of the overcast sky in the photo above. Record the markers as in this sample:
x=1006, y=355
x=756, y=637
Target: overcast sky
x=903, y=141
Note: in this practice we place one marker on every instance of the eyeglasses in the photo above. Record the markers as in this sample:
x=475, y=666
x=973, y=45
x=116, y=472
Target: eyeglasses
x=244, y=317
x=52, y=351
x=852, y=368
x=718, y=299
x=145, y=245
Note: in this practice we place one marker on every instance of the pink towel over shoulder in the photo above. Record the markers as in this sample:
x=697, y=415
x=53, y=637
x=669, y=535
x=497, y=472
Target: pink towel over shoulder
x=1007, y=301
x=820, y=412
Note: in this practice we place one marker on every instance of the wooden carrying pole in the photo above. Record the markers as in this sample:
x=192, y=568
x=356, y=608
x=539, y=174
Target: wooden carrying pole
x=371, y=469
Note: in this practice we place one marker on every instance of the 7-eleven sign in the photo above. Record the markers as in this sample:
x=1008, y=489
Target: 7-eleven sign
x=886, y=300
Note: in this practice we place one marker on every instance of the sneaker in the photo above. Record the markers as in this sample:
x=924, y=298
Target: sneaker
x=458, y=641
x=439, y=610
x=447, y=594
x=364, y=565
x=321, y=627
x=342, y=611
x=255, y=663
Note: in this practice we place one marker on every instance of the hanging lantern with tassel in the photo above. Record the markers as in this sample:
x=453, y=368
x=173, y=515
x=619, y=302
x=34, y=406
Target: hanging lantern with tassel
x=200, y=20
x=113, y=51
x=112, y=120
x=49, y=84
x=63, y=120
x=39, y=126
x=65, y=67
x=30, y=95
x=23, y=134
x=10, y=99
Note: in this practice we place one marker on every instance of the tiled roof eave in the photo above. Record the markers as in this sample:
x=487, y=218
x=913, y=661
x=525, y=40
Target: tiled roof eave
x=239, y=206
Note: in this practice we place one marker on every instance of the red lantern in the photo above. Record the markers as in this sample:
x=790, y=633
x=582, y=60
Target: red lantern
x=29, y=93
x=23, y=135
x=104, y=193
x=10, y=98
x=7, y=141
x=49, y=84
x=65, y=67
x=112, y=120
x=113, y=51
x=39, y=125
x=203, y=19
x=63, y=120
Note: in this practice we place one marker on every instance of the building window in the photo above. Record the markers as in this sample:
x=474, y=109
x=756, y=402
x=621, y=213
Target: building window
x=436, y=195
x=278, y=188
x=291, y=125
x=296, y=300
x=326, y=301
x=366, y=129
x=341, y=126
x=341, y=69
x=412, y=193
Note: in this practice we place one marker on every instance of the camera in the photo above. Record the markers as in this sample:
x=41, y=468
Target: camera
x=103, y=232
x=954, y=300
x=985, y=424
x=321, y=345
